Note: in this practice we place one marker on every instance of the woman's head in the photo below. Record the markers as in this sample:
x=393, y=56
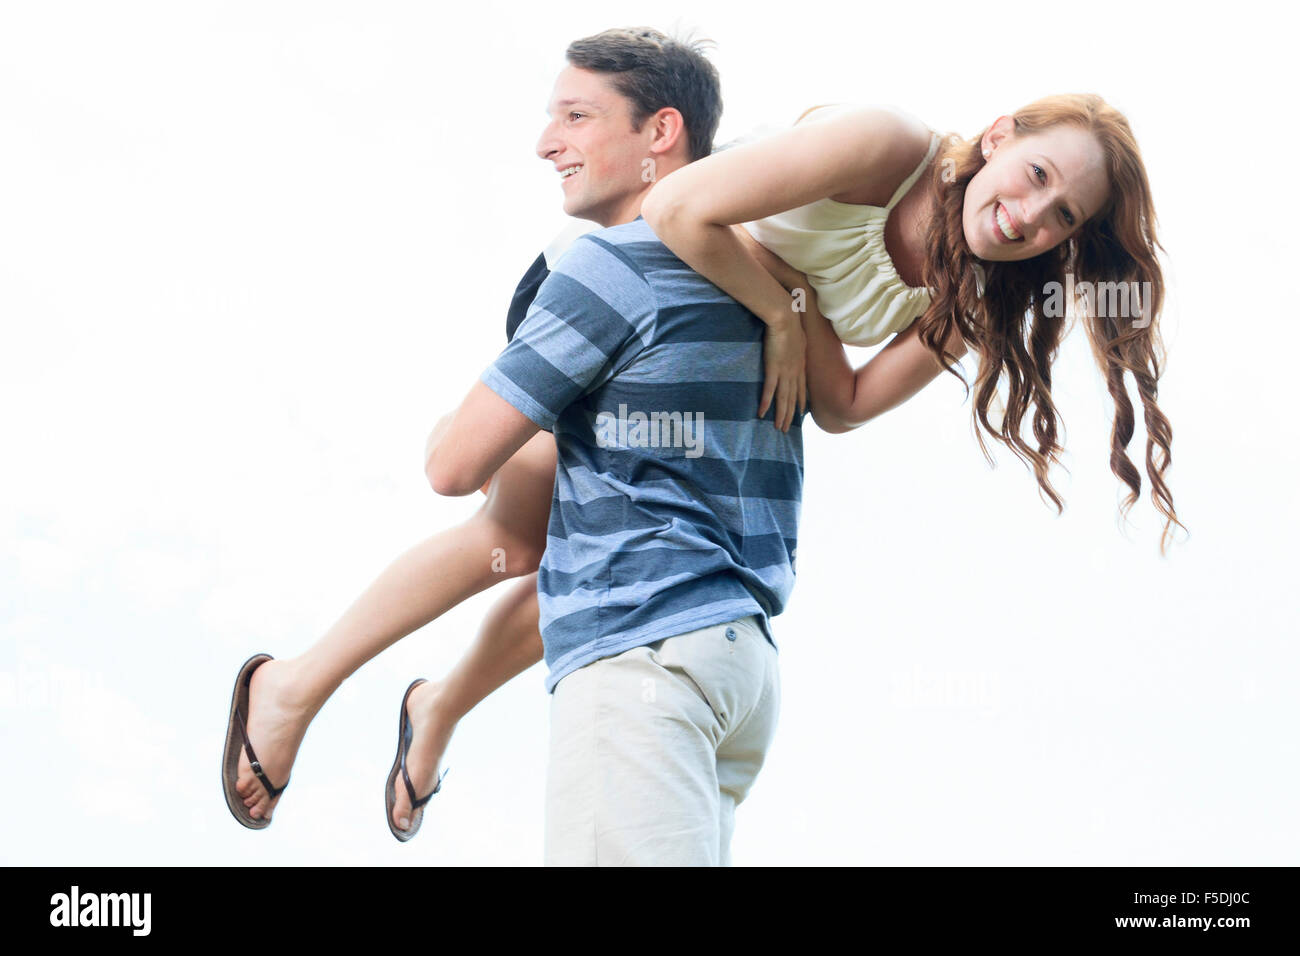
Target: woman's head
x=1092, y=173
x=1036, y=189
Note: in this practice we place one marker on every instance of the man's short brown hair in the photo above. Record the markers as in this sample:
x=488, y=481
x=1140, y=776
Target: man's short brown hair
x=654, y=71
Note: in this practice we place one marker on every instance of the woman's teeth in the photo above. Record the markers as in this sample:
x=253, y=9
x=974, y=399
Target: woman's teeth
x=566, y=173
x=1005, y=225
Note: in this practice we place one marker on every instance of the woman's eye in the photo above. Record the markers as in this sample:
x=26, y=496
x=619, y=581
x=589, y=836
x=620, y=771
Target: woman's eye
x=571, y=115
x=1042, y=177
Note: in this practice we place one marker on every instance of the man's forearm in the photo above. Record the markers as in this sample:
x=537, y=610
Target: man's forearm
x=481, y=436
x=435, y=436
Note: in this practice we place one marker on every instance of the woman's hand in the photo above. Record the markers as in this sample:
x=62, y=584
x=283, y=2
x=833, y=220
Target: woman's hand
x=785, y=378
x=784, y=344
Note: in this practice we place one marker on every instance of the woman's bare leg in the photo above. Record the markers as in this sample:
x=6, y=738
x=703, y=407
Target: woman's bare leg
x=505, y=538
x=507, y=644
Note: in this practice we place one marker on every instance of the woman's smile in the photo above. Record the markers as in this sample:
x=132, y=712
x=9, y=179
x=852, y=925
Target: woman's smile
x=1004, y=229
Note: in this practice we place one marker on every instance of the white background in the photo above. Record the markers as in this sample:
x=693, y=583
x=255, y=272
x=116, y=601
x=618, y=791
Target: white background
x=249, y=253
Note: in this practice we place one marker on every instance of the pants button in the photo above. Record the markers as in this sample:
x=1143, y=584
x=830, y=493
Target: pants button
x=731, y=633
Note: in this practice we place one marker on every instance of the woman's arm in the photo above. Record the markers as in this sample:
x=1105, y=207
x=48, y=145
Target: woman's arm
x=841, y=398
x=691, y=211
x=851, y=398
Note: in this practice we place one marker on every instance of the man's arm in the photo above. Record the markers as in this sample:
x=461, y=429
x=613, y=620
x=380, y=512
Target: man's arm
x=482, y=435
x=584, y=314
x=451, y=467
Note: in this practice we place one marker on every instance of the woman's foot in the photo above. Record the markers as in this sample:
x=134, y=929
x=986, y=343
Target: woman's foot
x=277, y=720
x=431, y=731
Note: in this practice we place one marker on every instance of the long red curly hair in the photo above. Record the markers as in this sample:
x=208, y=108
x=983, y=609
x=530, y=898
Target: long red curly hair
x=1013, y=332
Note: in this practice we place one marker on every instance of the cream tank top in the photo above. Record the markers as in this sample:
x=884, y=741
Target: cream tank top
x=841, y=248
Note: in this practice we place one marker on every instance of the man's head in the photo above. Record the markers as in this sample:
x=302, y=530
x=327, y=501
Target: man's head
x=631, y=106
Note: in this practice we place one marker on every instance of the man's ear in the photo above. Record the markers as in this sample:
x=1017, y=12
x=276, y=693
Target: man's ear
x=669, y=130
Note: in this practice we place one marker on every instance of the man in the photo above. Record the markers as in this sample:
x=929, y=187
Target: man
x=674, y=523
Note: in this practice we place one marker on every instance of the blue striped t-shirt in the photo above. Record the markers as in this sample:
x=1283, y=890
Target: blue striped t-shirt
x=675, y=506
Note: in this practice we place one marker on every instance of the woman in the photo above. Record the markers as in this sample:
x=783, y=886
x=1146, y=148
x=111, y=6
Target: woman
x=878, y=226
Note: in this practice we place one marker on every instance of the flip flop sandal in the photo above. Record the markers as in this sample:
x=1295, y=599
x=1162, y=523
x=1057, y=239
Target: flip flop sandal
x=235, y=730
x=399, y=763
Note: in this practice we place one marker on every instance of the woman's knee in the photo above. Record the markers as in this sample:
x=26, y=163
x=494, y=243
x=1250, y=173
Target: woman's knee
x=514, y=551
x=520, y=559
x=514, y=518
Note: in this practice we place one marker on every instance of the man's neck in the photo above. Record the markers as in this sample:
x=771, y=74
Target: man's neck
x=631, y=210
x=626, y=213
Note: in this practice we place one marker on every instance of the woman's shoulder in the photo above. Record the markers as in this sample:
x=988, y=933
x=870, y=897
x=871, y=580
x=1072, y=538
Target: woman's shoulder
x=876, y=118
x=908, y=140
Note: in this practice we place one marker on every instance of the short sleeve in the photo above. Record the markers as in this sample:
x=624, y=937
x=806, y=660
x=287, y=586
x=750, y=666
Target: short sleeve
x=593, y=307
x=525, y=292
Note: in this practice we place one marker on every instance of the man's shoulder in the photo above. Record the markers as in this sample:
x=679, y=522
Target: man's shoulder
x=638, y=230
x=629, y=247
x=573, y=230
x=634, y=242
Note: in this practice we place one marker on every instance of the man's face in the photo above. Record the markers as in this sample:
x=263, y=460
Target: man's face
x=590, y=134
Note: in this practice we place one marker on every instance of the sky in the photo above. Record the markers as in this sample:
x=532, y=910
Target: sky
x=250, y=253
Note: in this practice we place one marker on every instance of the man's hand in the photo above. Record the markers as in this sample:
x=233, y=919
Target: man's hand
x=785, y=377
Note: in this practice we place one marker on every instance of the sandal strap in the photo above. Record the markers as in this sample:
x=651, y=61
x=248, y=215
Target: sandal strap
x=427, y=797
x=253, y=762
x=406, y=777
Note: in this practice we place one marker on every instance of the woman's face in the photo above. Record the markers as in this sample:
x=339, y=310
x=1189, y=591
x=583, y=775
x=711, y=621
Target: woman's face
x=1033, y=191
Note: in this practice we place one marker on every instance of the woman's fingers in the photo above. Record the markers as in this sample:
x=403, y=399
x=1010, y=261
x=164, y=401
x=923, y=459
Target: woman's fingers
x=769, y=389
x=785, y=389
x=776, y=396
x=789, y=396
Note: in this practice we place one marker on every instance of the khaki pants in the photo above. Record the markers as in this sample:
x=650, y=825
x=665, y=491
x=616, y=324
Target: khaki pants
x=652, y=749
